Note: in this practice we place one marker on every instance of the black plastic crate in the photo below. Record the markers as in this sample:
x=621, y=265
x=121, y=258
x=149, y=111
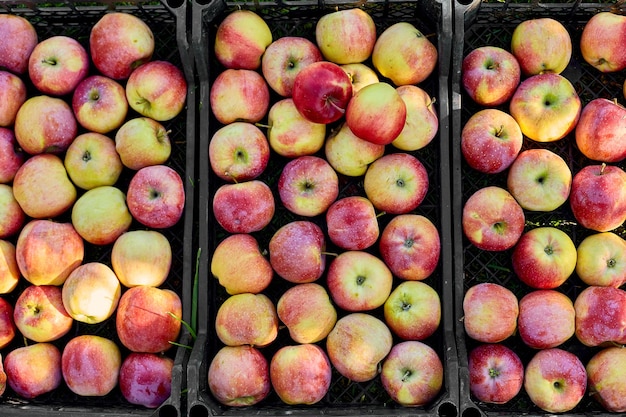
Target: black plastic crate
x=492, y=23
x=169, y=25
x=344, y=397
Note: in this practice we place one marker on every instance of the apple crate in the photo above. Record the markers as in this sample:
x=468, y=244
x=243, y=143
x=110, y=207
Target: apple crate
x=479, y=23
x=298, y=18
x=168, y=23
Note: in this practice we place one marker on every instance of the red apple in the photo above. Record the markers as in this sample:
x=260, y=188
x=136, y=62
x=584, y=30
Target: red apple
x=120, y=42
x=598, y=197
x=239, y=376
x=352, y=223
x=484, y=301
x=396, y=183
x=7, y=328
x=410, y=246
x=146, y=378
x=346, y=36
x=296, y=251
x=91, y=365
x=148, y=319
x=99, y=104
x=11, y=155
x=413, y=310
x=606, y=380
x=57, y=65
x=601, y=316
x=492, y=219
x=491, y=139
x=11, y=213
x=12, y=95
x=238, y=152
x=490, y=75
x=34, y=370
x=546, y=319
x=300, y=374
x=14, y=55
x=496, y=373
x=39, y=313
x=241, y=39
x=239, y=95
x=244, y=207
x=156, y=196
x=321, y=92
x=247, y=319
x=601, y=131
x=601, y=40
x=308, y=185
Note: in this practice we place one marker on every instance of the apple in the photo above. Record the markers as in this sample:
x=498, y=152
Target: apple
x=490, y=75
x=422, y=123
x=42, y=188
x=346, y=36
x=348, y=154
x=90, y=365
x=11, y=155
x=284, y=58
x=360, y=74
x=99, y=104
x=146, y=378
x=142, y=142
x=601, y=316
x=156, y=196
x=11, y=213
x=243, y=207
x=45, y=124
x=100, y=215
x=238, y=152
x=544, y=257
x=41, y=240
x=404, y=54
x=3, y=378
x=290, y=134
x=352, y=223
x=33, y=370
x=141, y=257
x=307, y=312
x=308, y=185
x=239, y=266
x=555, y=380
x=600, y=42
x=410, y=246
x=601, y=131
x=241, y=39
x=492, y=219
x=56, y=65
x=9, y=270
x=491, y=139
x=148, y=319
x=247, y=319
x=239, y=376
x=91, y=293
x=377, y=113
x=7, y=330
x=396, y=183
x=601, y=260
x=14, y=55
x=300, y=374
x=296, y=251
x=413, y=310
x=91, y=161
x=598, y=197
x=357, y=345
x=546, y=319
x=120, y=42
x=239, y=95
x=157, y=89
x=321, y=92
x=496, y=373
x=484, y=301
x=412, y=373
x=358, y=281
x=12, y=95
x=546, y=107
x=540, y=180
x=605, y=379
x=541, y=45
x=39, y=313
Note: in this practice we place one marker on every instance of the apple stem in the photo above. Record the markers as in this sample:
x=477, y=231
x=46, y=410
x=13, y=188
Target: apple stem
x=382, y=213
x=231, y=177
x=331, y=101
x=263, y=125
x=330, y=253
x=499, y=131
x=406, y=375
x=602, y=168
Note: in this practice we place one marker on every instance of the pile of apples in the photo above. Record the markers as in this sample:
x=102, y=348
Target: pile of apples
x=341, y=109
x=527, y=105
x=83, y=153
